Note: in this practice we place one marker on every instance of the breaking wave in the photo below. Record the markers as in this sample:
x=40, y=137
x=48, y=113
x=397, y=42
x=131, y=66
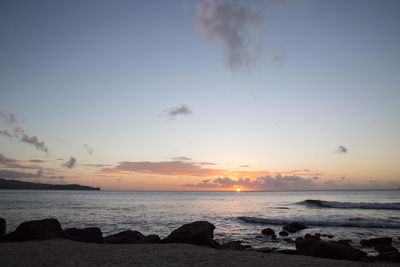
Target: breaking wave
x=349, y=205
x=348, y=222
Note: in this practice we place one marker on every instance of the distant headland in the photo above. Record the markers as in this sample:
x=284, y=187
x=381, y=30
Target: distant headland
x=13, y=184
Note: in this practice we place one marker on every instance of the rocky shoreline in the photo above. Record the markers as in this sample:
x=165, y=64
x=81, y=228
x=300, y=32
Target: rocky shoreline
x=201, y=233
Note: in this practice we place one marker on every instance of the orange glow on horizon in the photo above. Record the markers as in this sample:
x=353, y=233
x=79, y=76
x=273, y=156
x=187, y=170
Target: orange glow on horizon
x=237, y=189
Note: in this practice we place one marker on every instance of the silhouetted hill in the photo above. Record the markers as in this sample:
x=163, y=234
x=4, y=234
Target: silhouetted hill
x=13, y=184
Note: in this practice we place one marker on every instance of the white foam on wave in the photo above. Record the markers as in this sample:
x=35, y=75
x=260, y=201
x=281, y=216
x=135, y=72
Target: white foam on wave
x=348, y=222
x=349, y=205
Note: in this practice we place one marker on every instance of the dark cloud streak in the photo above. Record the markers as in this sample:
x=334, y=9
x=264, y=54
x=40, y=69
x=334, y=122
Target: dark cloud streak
x=15, y=174
x=341, y=150
x=231, y=25
x=177, y=111
x=70, y=163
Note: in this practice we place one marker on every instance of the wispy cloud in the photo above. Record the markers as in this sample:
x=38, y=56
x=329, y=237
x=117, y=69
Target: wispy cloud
x=15, y=174
x=6, y=133
x=177, y=111
x=12, y=163
x=88, y=149
x=341, y=150
x=95, y=165
x=19, y=133
x=5, y=160
x=33, y=140
x=37, y=161
x=232, y=26
x=182, y=158
x=9, y=118
x=70, y=163
x=177, y=167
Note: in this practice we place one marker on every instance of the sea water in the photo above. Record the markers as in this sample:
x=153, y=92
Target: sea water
x=242, y=215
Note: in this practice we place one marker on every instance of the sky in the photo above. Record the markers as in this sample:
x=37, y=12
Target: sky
x=201, y=95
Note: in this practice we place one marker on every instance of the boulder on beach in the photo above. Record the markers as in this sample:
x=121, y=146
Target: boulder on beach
x=196, y=233
x=88, y=235
x=287, y=251
x=2, y=227
x=294, y=227
x=391, y=255
x=265, y=250
x=289, y=240
x=37, y=230
x=385, y=248
x=131, y=237
x=268, y=231
x=310, y=236
x=234, y=245
x=328, y=249
x=385, y=241
x=345, y=241
x=283, y=233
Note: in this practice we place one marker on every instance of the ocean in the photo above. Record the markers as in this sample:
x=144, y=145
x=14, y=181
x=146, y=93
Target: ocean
x=242, y=215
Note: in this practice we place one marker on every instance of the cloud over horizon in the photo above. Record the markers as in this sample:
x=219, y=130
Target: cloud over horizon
x=277, y=182
x=232, y=25
x=195, y=169
x=13, y=163
x=16, y=174
x=176, y=167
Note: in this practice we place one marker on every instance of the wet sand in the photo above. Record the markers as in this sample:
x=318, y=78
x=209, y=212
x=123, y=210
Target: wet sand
x=60, y=252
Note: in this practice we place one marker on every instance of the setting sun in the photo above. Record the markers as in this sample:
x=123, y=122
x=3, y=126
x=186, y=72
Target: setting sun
x=237, y=189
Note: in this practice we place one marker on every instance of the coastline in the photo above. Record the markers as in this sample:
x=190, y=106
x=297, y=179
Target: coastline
x=61, y=252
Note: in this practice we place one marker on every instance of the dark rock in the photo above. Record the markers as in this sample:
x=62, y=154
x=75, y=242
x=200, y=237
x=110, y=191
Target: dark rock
x=317, y=234
x=283, y=233
x=152, y=239
x=345, y=241
x=259, y=236
x=287, y=251
x=273, y=237
x=385, y=248
x=265, y=250
x=131, y=237
x=2, y=227
x=268, y=231
x=88, y=235
x=289, y=240
x=386, y=241
x=330, y=236
x=37, y=230
x=290, y=229
x=196, y=233
x=8, y=237
x=310, y=236
x=328, y=249
x=393, y=256
x=294, y=227
x=324, y=235
x=234, y=245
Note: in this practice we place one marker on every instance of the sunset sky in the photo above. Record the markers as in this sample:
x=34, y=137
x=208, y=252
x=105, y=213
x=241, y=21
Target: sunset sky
x=201, y=95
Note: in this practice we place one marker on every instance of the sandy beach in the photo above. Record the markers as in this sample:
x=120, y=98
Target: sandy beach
x=60, y=252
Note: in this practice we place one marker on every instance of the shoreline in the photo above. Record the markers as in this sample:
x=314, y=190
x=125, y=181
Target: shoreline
x=62, y=252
